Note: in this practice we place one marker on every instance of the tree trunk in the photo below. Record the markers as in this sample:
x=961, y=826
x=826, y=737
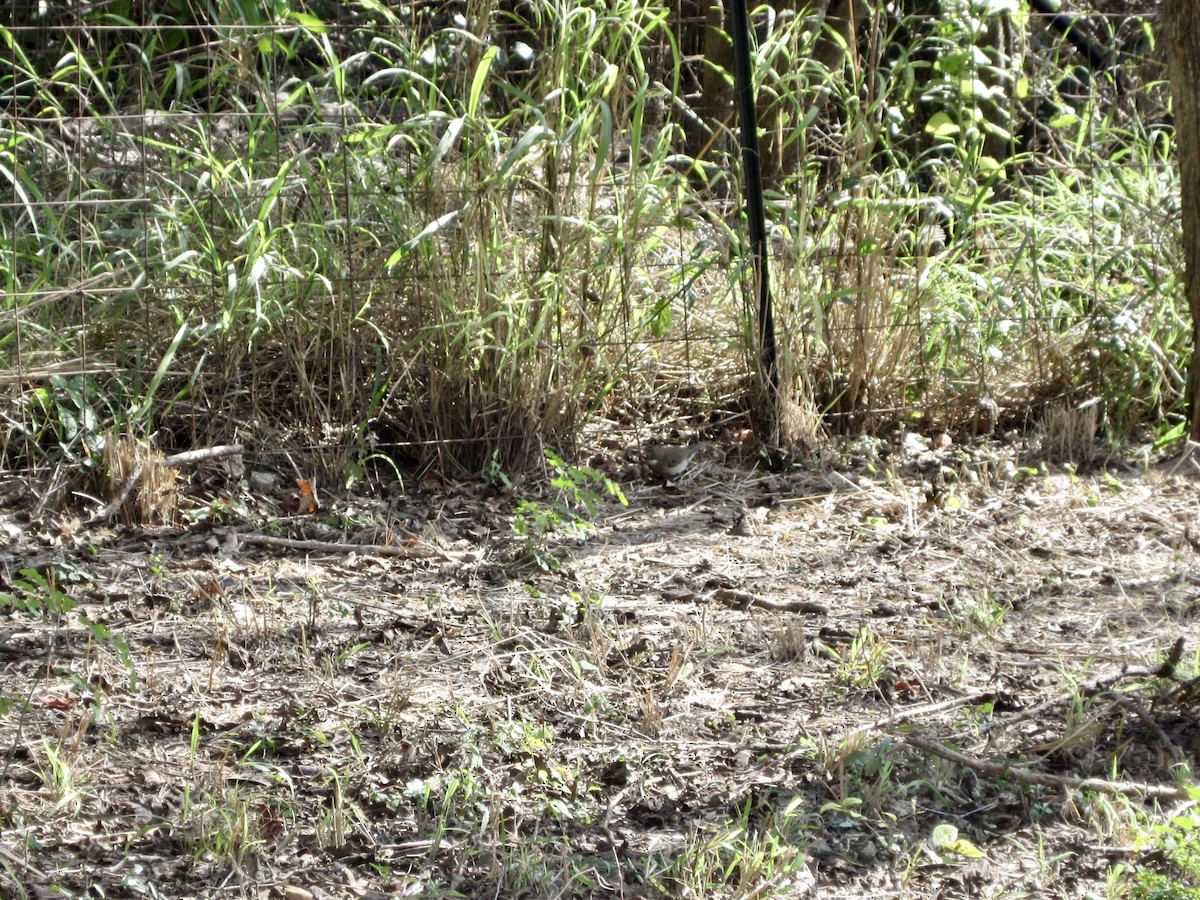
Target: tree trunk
x=1180, y=32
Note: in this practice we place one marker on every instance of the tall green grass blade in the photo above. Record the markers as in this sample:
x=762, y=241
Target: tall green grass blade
x=142, y=411
x=480, y=79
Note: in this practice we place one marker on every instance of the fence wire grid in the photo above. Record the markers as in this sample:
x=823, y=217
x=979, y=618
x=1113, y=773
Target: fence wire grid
x=451, y=234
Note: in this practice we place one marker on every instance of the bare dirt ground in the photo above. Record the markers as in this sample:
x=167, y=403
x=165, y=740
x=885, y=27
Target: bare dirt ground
x=739, y=685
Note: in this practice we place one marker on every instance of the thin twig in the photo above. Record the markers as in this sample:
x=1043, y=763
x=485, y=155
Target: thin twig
x=1187, y=456
x=1138, y=709
x=24, y=864
x=118, y=501
x=1090, y=689
x=1011, y=770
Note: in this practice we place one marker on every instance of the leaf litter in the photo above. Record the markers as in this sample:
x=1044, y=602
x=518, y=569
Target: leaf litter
x=739, y=685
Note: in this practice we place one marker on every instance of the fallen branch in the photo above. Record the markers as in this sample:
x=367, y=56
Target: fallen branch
x=201, y=455
x=131, y=480
x=1027, y=776
x=426, y=552
x=744, y=600
x=1091, y=688
x=898, y=717
x=135, y=476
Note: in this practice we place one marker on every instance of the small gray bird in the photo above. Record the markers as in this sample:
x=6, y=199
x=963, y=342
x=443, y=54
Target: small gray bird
x=671, y=460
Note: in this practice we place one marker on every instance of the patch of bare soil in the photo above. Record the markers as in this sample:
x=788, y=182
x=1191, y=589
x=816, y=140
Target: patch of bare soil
x=741, y=685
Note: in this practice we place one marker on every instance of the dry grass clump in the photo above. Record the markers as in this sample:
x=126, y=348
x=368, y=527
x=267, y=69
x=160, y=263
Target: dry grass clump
x=788, y=643
x=1069, y=432
x=136, y=478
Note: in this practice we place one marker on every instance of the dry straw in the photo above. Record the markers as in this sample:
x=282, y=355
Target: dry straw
x=137, y=479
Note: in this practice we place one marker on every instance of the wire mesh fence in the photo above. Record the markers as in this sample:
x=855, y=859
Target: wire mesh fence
x=452, y=234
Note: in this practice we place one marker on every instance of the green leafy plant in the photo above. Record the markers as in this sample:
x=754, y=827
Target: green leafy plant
x=864, y=663
x=1172, y=852
x=975, y=612
x=745, y=855
x=63, y=779
x=580, y=490
x=69, y=413
x=39, y=594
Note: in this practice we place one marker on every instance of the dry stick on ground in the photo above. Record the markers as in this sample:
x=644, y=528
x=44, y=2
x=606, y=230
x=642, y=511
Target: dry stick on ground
x=1009, y=770
x=266, y=540
x=1091, y=688
x=202, y=455
x=899, y=717
x=131, y=480
x=744, y=600
x=179, y=459
x=24, y=864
